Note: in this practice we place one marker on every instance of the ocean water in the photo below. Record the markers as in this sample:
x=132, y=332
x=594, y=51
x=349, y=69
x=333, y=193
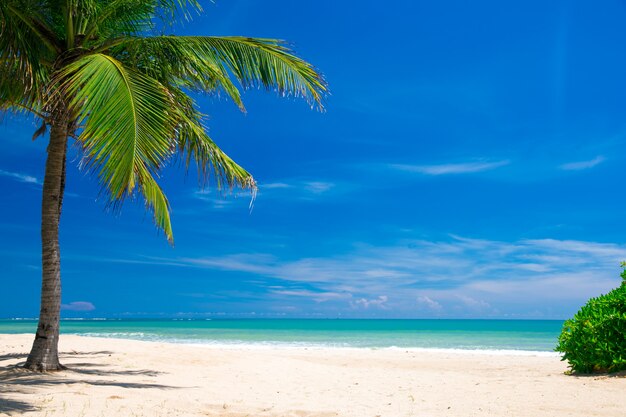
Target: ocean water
x=476, y=335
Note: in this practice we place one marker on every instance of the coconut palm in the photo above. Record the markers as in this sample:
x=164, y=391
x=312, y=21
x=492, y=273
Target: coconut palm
x=97, y=73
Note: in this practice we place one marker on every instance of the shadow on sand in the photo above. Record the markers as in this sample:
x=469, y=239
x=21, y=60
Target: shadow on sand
x=620, y=374
x=8, y=406
x=18, y=384
x=9, y=356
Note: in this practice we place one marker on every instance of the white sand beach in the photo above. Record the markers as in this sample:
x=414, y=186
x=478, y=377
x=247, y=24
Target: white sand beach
x=112, y=377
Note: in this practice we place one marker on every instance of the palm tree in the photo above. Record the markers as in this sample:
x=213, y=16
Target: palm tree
x=96, y=72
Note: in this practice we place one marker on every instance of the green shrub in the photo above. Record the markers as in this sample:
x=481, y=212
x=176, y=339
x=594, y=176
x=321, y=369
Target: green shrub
x=594, y=340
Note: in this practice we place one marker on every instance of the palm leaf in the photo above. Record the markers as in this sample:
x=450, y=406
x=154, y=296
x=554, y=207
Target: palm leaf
x=22, y=21
x=127, y=128
x=184, y=8
x=253, y=62
x=26, y=46
x=195, y=144
x=166, y=60
x=115, y=18
x=17, y=92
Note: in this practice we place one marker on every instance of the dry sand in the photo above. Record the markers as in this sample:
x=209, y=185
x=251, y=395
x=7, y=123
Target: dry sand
x=109, y=377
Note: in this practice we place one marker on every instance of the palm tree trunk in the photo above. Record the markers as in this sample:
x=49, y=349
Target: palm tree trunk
x=44, y=353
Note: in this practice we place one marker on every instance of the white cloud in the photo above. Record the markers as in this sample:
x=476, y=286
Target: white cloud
x=466, y=269
x=458, y=168
x=221, y=200
x=453, y=277
x=275, y=185
x=255, y=263
x=20, y=177
x=292, y=189
x=78, y=306
x=304, y=189
x=577, y=166
x=378, y=302
x=318, y=187
x=429, y=303
x=472, y=303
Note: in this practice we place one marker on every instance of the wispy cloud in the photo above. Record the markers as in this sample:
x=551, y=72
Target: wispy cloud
x=318, y=187
x=276, y=185
x=296, y=189
x=29, y=179
x=219, y=200
x=577, y=166
x=453, y=277
x=378, y=302
x=453, y=168
x=303, y=187
x=428, y=303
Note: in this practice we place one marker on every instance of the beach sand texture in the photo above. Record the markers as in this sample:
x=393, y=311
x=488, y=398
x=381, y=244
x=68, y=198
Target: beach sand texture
x=112, y=377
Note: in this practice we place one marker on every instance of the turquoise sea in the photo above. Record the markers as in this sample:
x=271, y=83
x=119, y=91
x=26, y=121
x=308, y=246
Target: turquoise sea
x=523, y=335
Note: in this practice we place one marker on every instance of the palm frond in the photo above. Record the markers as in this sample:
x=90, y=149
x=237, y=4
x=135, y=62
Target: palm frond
x=254, y=62
x=76, y=15
x=17, y=92
x=26, y=25
x=114, y=18
x=157, y=203
x=176, y=66
x=184, y=8
x=196, y=145
x=117, y=18
x=24, y=56
x=127, y=128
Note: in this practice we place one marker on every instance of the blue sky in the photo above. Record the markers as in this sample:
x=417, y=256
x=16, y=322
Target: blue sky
x=470, y=163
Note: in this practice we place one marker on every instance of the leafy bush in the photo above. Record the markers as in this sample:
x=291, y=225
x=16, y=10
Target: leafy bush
x=594, y=340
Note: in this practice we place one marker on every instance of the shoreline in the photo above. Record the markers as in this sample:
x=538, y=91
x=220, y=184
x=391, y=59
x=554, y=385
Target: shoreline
x=121, y=377
x=272, y=345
